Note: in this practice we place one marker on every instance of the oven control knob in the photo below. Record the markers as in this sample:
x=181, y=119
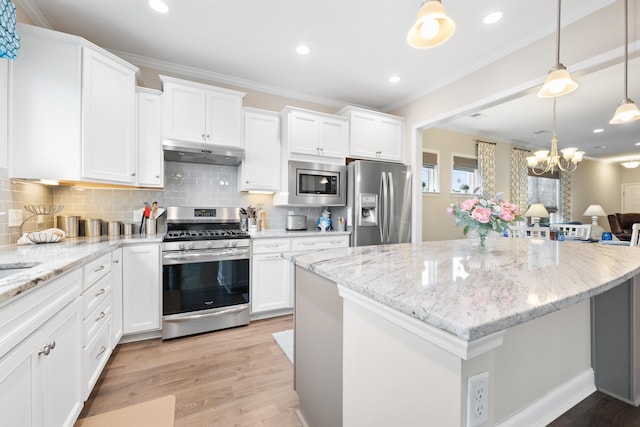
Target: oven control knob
x=189, y=245
x=234, y=243
x=226, y=244
x=181, y=246
x=209, y=244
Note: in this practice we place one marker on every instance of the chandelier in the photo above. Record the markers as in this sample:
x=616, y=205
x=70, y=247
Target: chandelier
x=544, y=161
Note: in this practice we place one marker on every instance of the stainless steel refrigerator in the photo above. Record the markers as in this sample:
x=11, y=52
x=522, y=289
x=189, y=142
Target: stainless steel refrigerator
x=379, y=202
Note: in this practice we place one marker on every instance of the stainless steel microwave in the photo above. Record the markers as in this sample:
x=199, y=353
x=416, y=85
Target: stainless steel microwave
x=317, y=184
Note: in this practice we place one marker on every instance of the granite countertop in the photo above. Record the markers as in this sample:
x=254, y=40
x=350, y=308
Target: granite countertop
x=303, y=233
x=453, y=287
x=55, y=259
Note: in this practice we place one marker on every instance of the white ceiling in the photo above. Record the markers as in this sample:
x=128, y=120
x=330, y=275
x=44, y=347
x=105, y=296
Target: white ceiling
x=356, y=45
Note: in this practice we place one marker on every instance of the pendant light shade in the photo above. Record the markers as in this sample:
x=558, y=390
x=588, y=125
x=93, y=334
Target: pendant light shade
x=432, y=28
x=558, y=81
x=627, y=111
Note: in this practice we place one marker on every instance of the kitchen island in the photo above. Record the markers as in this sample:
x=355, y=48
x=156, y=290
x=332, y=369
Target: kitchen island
x=390, y=335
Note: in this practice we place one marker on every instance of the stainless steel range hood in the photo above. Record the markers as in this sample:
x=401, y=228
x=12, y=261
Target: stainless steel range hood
x=194, y=152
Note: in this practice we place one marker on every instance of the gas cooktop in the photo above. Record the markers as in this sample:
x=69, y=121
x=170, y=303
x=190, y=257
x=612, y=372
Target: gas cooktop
x=214, y=234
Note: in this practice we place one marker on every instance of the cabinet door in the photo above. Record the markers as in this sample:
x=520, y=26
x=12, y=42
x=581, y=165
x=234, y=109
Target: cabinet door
x=270, y=287
x=260, y=169
x=141, y=288
x=61, y=381
x=390, y=139
x=116, y=297
x=224, y=119
x=108, y=131
x=363, y=137
x=334, y=135
x=303, y=133
x=19, y=404
x=184, y=113
x=150, y=155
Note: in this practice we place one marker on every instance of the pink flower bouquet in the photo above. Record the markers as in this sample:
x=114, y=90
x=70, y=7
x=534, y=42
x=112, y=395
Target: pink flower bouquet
x=484, y=215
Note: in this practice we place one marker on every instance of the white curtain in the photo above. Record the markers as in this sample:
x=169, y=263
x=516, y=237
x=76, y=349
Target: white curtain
x=566, y=189
x=519, y=178
x=487, y=166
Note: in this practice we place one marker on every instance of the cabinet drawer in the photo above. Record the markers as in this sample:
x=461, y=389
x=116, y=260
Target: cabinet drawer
x=95, y=295
x=95, y=357
x=263, y=246
x=95, y=269
x=96, y=320
x=317, y=243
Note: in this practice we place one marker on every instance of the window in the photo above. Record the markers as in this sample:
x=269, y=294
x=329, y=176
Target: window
x=465, y=174
x=545, y=189
x=429, y=172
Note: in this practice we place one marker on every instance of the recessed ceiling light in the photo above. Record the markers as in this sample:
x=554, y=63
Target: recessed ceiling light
x=394, y=79
x=598, y=130
x=492, y=18
x=637, y=143
x=599, y=147
x=159, y=6
x=303, y=50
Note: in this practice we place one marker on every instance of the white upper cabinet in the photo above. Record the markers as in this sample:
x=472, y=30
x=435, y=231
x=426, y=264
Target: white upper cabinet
x=197, y=112
x=260, y=169
x=314, y=136
x=150, y=155
x=374, y=135
x=73, y=110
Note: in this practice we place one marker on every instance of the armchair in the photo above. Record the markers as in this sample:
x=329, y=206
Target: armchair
x=621, y=224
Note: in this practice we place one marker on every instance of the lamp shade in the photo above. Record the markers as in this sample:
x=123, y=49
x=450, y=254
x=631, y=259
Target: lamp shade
x=594, y=210
x=557, y=83
x=627, y=111
x=537, y=210
x=432, y=28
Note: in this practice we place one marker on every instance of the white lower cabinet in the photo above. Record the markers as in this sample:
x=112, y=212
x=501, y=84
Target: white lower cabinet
x=96, y=319
x=116, y=297
x=272, y=276
x=142, y=286
x=40, y=356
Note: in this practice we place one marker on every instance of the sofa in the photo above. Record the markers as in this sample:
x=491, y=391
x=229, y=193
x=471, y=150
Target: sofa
x=621, y=224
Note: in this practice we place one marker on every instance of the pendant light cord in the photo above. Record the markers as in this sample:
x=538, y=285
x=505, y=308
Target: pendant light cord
x=558, y=35
x=626, y=45
x=554, y=116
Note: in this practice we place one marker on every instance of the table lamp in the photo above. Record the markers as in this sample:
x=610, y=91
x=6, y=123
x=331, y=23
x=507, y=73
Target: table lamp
x=535, y=212
x=594, y=211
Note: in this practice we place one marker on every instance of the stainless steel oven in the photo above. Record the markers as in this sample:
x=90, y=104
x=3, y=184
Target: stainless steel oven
x=205, y=271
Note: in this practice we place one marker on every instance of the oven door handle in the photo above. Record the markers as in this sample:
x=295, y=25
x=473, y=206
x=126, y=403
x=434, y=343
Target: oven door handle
x=204, y=256
x=206, y=315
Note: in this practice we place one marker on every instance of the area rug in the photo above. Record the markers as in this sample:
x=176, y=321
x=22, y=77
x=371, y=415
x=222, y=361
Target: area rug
x=154, y=413
x=285, y=340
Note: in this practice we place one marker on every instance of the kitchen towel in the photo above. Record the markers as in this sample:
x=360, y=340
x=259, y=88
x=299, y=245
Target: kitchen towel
x=285, y=340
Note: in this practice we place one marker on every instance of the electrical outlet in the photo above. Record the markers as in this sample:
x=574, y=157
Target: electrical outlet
x=478, y=399
x=40, y=219
x=137, y=216
x=15, y=217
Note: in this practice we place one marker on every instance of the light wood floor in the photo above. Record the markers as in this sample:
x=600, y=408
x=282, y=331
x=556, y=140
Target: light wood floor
x=235, y=377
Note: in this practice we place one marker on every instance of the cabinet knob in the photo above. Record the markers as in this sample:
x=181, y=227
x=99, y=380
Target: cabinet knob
x=208, y=136
x=47, y=348
x=157, y=176
x=116, y=261
x=203, y=136
x=133, y=174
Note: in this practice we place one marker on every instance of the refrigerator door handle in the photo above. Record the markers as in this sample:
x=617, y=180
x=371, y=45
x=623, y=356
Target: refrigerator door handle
x=391, y=205
x=382, y=205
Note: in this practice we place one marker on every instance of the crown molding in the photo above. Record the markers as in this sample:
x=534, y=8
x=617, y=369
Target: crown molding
x=34, y=13
x=187, y=71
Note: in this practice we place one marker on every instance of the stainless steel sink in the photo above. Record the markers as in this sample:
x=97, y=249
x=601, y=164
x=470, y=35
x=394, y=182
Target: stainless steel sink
x=10, y=268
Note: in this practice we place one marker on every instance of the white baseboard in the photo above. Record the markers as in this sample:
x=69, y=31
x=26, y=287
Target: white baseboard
x=554, y=403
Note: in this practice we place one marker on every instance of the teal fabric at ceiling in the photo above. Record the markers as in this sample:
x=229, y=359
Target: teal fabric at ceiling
x=9, y=38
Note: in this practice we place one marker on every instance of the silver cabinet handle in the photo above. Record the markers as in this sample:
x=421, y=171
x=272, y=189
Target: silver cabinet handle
x=116, y=261
x=100, y=316
x=273, y=257
x=99, y=269
x=102, y=291
x=102, y=350
x=47, y=348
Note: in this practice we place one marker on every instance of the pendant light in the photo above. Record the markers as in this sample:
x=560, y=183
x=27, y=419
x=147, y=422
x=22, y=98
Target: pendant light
x=558, y=81
x=627, y=111
x=544, y=161
x=432, y=28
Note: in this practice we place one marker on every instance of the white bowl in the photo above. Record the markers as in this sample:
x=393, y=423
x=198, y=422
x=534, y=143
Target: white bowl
x=44, y=237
